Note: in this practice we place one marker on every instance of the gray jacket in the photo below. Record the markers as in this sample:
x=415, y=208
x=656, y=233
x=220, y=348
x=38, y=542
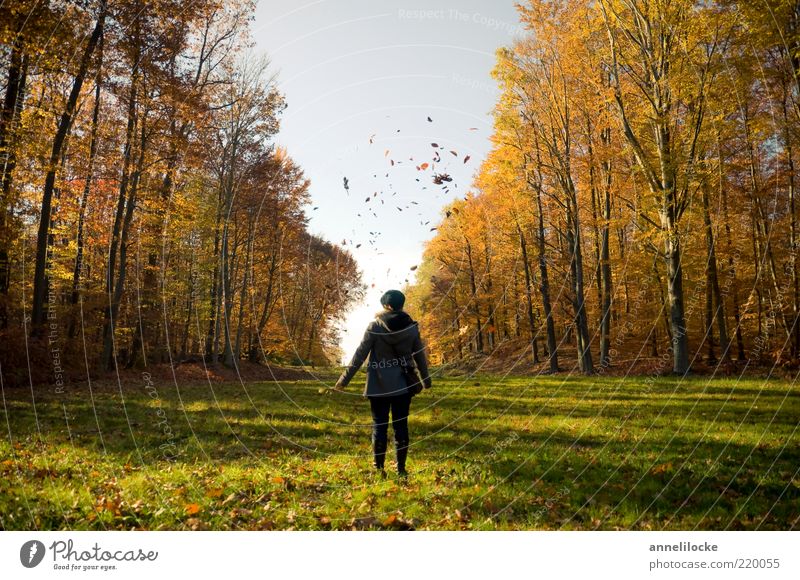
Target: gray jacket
x=391, y=341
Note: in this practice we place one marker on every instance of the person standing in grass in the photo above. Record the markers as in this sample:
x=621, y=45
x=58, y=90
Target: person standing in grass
x=392, y=348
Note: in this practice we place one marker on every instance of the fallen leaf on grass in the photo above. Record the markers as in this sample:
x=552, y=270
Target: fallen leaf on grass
x=192, y=509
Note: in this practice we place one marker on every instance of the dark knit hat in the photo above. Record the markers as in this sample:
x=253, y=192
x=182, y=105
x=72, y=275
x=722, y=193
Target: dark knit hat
x=393, y=298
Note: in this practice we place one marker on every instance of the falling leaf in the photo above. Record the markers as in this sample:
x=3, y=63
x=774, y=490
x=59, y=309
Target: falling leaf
x=466, y=158
x=434, y=144
x=412, y=268
x=440, y=178
x=192, y=509
x=424, y=166
x=430, y=120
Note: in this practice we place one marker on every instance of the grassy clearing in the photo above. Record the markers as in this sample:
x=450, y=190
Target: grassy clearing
x=520, y=453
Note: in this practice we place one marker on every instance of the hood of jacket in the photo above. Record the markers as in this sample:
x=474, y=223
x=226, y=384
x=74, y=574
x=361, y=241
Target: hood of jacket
x=396, y=325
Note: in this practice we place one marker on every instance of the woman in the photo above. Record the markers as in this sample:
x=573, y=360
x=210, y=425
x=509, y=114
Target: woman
x=393, y=345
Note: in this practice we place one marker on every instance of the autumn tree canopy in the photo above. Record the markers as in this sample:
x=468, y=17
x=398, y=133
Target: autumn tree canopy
x=639, y=199
x=149, y=214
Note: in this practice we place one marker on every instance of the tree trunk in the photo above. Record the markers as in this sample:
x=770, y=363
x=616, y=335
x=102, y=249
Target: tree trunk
x=475, y=306
x=605, y=259
x=544, y=288
x=576, y=273
x=715, y=304
x=9, y=118
x=528, y=293
x=212, y=350
x=87, y=187
x=243, y=296
x=64, y=126
x=129, y=182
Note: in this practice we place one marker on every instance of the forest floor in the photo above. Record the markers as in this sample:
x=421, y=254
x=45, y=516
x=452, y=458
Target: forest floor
x=555, y=452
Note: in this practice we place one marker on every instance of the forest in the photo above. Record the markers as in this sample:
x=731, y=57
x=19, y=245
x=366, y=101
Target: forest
x=148, y=213
x=639, y=201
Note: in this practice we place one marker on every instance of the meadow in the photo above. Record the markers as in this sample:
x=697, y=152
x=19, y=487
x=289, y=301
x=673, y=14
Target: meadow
x=554, y=452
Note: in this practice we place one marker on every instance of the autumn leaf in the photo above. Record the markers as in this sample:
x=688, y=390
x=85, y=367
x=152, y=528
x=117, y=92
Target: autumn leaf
x=192, y=509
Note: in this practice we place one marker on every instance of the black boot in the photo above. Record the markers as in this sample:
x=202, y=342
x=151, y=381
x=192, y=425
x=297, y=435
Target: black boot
x=402, y=453
x=379, y=453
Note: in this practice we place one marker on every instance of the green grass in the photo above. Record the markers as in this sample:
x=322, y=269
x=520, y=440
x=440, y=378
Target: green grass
x=487, y=453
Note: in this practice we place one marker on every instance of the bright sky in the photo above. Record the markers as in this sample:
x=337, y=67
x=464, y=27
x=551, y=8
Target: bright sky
x=355, y=70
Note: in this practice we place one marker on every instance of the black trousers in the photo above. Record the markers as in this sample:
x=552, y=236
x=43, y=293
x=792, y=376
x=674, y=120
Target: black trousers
x=382, y=407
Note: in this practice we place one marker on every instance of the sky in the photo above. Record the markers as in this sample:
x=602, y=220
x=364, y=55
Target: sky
x=355, y=71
